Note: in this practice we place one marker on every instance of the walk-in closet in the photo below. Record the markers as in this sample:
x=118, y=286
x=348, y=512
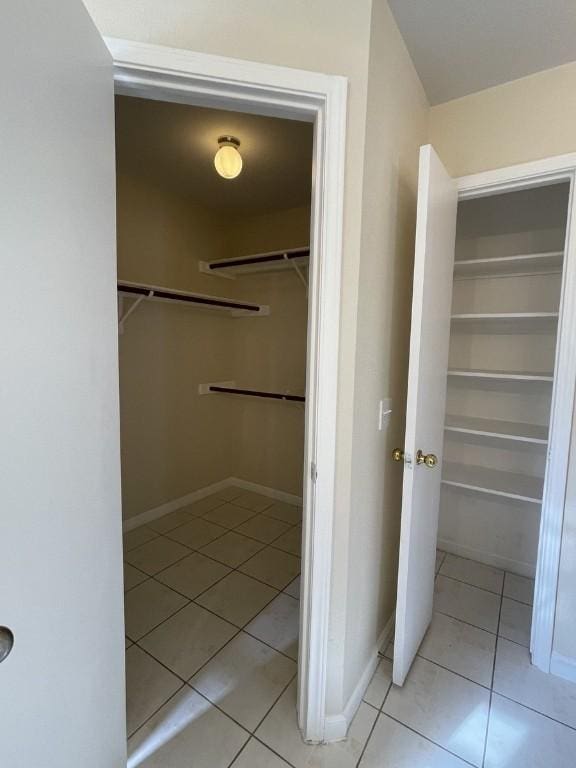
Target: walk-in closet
x=213, y=266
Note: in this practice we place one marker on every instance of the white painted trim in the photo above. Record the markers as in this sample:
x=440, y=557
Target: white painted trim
x=264, y=490
x=172, y=506
x=496, y=561
x=563, y=666
x=169, y=74
x=541, y=172
x=336, y=727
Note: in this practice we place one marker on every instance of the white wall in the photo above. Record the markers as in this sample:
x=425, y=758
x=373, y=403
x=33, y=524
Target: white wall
x=523, y=120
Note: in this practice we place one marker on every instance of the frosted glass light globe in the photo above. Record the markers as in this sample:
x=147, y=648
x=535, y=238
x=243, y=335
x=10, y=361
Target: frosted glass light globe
x=228, y=161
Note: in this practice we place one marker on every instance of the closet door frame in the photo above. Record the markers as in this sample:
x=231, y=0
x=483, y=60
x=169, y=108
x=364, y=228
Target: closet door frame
x=168, y=74
x=538, y=173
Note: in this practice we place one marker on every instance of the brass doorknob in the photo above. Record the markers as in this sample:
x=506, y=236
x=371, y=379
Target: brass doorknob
x=398, y=454
x=429, y=459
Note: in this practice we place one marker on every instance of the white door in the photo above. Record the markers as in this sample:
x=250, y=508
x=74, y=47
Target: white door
x=425, y=407
x=62, y=685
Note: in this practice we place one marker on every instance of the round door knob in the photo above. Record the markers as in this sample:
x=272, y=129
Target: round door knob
x=397, y=454
x=6, y=642
x=428, y=459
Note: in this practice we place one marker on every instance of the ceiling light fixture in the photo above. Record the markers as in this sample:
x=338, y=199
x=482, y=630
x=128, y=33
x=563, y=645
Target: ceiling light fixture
x=227, y=160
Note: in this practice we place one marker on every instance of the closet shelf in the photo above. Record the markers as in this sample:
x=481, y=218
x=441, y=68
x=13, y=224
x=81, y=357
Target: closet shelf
x=506, y=430
x=257, y=262
x=229, y=388
x=504, y=322
x=495, y=482
x=237, y=308
x=502, y=266
x=500, y=375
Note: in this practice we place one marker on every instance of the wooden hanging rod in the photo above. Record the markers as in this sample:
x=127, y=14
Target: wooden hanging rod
x=256, y=393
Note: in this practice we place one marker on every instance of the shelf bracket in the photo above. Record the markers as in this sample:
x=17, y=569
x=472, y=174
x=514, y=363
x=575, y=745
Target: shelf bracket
x=298, y=271
x=133, y=307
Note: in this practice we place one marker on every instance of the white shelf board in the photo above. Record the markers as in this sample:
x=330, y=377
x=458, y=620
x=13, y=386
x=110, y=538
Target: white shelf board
x=500, y=375
x=495, y=482
x=507, y=430
x=504, y=322
x=501, y=266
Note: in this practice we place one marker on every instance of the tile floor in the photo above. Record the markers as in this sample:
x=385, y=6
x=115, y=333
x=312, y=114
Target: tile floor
x=212, y=614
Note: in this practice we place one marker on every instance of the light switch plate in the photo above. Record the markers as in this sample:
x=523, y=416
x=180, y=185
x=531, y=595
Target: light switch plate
x=384, y=412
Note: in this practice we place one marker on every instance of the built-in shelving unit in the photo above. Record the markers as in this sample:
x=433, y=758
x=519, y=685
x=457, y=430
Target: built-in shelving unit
x=257, y=262
x=497, y=428
x=523, y=264
x=511, y=485
x=141, y=292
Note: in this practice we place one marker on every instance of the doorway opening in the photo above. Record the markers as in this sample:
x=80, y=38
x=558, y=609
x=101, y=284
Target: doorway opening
x=213, y=277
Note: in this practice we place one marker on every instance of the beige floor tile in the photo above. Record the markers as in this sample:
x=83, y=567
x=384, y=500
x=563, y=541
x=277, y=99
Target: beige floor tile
x=471, y=572
x=519, y=588
x=256, y=755
x=279, y=625
x=193, y=575
x=228, y=515
x=133, y=577
x=200, y=507
x=256, y=502
x=188, y=639
x=171, y=521
x=462, y=601
x=394, y=746
x=197, y=533
x=389, y=651
x=280, y=732
x=156, y=555
x=293, y=589
x=291, y=541
x=237, y=598
x=127, y=642
x=187, y=732
x=232, y=549
x=147, y=605
x=515, y=621
x=263, y=528
x=380, y=684
x=519, y=738
x=230, y=493
x=443, y=707
x=244, y=679
x=466, y=650
x=287, y=513
x=440, y=555
x=137, y=537
x=517, y=679
x=272, y=566
x=148, y=686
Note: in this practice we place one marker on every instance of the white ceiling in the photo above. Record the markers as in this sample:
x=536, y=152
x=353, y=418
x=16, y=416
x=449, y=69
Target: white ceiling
x=462, y=46
x=173, y=146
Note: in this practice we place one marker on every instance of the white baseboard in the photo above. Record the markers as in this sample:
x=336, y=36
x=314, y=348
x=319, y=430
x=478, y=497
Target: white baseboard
x=336, y=726
x=208, y=490
x=563, y=666
x=272, y=493
x=496, y=561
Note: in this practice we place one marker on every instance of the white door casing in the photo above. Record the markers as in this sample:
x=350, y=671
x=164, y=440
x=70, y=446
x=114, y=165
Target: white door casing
x=425, y=407
x=62, y=686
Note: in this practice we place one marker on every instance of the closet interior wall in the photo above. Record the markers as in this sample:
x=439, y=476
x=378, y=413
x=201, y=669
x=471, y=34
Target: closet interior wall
x=175, y=441
x=491, y=528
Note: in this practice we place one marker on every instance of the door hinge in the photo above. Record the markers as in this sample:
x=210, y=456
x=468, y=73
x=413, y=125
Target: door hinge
x=313, y=472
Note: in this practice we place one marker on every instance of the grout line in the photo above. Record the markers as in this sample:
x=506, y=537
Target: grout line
x=467, y=583
x=492, y=678
x=369, y=735
x=134, y=732
x=536, y=711
x=451, y=616
x=264, y=744
x=427, y=738
x=276, y=700
x=458, y=674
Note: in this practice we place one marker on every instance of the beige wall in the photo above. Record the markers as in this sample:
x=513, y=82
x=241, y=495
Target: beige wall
x=397, y=124
x=524, y=120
